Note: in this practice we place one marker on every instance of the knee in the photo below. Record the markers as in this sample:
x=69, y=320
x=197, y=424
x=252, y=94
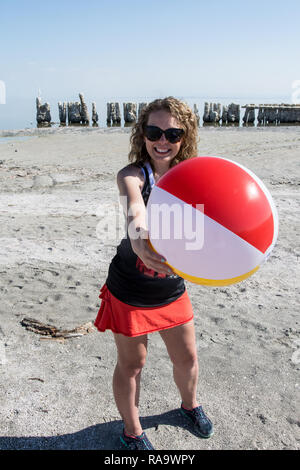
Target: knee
x=131, y=367
x=188, y=360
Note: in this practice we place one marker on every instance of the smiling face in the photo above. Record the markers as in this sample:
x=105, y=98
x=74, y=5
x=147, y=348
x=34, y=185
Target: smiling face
x=162, y=151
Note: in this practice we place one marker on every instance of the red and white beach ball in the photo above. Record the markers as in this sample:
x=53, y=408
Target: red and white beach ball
x=213, y=220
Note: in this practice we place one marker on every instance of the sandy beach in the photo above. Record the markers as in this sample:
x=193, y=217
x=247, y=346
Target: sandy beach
x=57, y=187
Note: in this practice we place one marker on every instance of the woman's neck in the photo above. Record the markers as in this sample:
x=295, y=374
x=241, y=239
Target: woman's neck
x=159, y=170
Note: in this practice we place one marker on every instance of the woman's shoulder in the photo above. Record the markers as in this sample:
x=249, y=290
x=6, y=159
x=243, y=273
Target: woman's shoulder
x=130, y=170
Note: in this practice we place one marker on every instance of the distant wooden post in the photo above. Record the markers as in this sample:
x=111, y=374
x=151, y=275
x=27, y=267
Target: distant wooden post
x=129, y=110
x=249, y=116
x=225, y=115
x=141, y=107
x=212, y=112
x=206, y=117
x=290, y=114
x=43, y=115
x=85, y=119
x=62, y=110
x=233, y=113
x=260, y=115
x=196, y=112
x=113, y=114
x=95, y=116
x=284, y=116
x=74, y=113
x=215, y=112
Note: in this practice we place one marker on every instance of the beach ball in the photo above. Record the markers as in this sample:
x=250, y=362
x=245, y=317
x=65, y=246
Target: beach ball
x=213, y=220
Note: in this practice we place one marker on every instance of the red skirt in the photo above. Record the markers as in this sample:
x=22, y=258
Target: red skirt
x=129, y=320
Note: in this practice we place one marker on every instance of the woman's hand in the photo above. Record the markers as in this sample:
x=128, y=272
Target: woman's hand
x=151, y=259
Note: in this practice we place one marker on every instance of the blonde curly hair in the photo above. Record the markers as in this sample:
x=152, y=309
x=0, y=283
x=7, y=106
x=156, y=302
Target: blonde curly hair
x=185, y=117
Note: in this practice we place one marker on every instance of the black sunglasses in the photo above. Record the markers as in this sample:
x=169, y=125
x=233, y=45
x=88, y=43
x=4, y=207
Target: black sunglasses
x=154, y=133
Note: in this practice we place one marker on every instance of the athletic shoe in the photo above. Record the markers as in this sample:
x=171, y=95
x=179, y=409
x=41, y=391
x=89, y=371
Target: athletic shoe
x=201, y=422
x=136, y=443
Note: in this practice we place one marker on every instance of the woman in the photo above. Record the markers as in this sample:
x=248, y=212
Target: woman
x=141, y=294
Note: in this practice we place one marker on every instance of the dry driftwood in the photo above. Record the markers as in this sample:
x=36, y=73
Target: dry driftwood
x=52, y=332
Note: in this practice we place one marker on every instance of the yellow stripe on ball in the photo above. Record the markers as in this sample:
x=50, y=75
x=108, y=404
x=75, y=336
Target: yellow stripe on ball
x=213, y=282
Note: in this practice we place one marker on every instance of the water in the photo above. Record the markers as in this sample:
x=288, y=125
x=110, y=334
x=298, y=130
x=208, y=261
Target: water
x=21, y=113
x=4, y=140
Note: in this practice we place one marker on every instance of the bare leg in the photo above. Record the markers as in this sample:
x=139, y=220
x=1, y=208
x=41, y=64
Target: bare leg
x=181, y=346
x=126, y=380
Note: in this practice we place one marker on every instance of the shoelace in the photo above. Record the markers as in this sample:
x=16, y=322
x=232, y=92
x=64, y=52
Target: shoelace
x=141, y=443
x=199, y=412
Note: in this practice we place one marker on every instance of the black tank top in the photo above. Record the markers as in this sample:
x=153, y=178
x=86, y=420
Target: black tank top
x=130, y=281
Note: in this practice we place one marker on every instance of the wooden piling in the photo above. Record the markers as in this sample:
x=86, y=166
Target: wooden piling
x=212, y=112
x=85, y=119
x=74, y=112
x=233, y=113
x=62, y=110
x=224, y=115
x=95, y=116
x=141, y=107
x=113, y=114
x=196, y=112
x=43, y=115
x=129, y=110
x=249, y=116
x=206, y=112
x=276, y=113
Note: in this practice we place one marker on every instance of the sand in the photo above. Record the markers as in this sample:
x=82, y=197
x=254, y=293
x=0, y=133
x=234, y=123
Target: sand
x=57, y=186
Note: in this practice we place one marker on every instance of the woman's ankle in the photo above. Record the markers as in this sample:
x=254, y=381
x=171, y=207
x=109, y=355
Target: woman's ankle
x=133, y=431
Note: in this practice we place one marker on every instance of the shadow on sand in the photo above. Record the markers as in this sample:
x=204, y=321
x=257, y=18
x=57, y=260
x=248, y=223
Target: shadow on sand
x=104, y=436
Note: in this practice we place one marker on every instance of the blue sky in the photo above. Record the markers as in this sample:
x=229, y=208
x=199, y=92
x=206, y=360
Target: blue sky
x=149, y=48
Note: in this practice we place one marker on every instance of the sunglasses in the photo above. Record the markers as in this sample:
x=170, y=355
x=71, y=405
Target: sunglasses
x=154, y=133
